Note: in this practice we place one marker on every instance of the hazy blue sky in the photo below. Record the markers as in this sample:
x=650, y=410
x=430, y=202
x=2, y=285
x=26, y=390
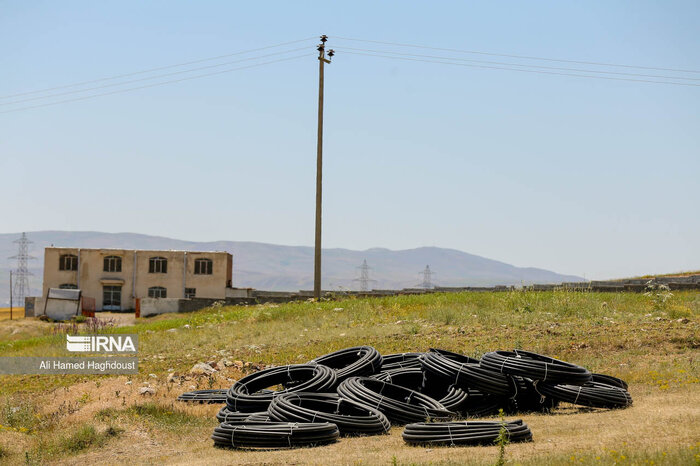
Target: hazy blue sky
x=575, y=175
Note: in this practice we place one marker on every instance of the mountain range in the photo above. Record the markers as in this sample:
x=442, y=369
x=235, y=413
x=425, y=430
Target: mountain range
x=289, y=268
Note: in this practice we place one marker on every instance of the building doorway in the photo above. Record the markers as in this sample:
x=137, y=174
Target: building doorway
x=111, y=298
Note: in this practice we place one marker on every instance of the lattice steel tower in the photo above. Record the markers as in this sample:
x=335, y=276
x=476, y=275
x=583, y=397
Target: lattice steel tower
x=364, y=276
x=427, y=278
x=21, y=275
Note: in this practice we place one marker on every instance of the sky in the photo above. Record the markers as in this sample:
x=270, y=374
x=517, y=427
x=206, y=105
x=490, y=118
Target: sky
x=592, y=177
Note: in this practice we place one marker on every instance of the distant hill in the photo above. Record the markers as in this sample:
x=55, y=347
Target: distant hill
x=290, y=268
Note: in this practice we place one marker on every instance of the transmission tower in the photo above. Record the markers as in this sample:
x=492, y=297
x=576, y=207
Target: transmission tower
x=427, y=278
x=364, y=276
x=21, y=275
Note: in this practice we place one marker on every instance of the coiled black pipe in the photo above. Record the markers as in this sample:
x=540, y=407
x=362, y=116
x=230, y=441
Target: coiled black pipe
x=204, y=396
x=452, y=398
x=236, y=417
x=258, y=418
x=592, y=394
x=528, y=399
x=351, y=417
x=535, y=366
x=274, y=435
x=357, y=361
x=610, y=380
x=249, y=394
x=409, y=377
x=465, y=372
x=464, y=433
x=400, y=360
x=401, y=405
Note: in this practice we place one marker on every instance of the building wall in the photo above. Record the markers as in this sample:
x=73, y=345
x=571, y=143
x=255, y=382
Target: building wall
x=134, y=278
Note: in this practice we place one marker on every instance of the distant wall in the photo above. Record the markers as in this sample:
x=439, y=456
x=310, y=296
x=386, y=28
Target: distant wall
x=155, y=306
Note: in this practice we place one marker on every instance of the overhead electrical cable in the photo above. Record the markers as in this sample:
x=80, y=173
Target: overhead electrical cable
x=524, y=57
x=158, y=76
x=518, y=69
x=524, y=65
x=160, y=68
x=157, y=84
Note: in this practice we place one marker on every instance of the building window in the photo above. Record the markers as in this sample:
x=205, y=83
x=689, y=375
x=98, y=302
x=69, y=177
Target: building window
x=111, y=298
x=157, y=292
x=157, y=265
x=190, y=292
x=113, y=264
x=68, y=262
x=68, y=286
x=203, y=266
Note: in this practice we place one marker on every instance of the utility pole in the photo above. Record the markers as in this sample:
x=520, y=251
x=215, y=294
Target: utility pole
x=10, y=294
x=322, y=60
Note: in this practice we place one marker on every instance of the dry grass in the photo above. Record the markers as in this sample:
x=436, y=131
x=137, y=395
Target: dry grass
x=17, y=313
x=628, y=335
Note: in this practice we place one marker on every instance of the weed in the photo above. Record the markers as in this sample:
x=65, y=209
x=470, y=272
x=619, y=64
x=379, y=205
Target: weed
x=158, y=415
x=658, y=293
x=19, y=416
x=502, y=440
x=85, y=437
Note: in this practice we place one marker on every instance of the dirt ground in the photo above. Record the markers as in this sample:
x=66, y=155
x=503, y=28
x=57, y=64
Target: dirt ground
x=613, y=436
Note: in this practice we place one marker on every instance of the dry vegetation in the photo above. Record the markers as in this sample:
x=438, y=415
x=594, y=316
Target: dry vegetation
x=17, y=313
x=651, y=343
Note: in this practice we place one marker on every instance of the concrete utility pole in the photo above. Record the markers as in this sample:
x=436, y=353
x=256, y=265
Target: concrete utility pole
x=10, y=294
x=322, y=60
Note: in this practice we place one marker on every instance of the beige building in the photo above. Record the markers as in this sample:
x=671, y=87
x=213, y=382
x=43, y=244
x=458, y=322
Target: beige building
x=115, y=277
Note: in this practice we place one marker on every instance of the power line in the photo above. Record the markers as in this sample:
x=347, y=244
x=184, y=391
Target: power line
x=526, y=57
x=156, y=84
x=522, y=70
x=522, y=64
x=156, y=69
x=158, y=76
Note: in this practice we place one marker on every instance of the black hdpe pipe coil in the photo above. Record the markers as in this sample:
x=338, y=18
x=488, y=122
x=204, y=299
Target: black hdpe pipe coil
x=610, y=380
x=249, y=394
x=465, y=372
x=274, y=435
x=528, y=399
x=401, y=405
x=464, y=433
x=204, y=396
x=592, y=394
x=400, y=360
x=351, y=417
x=357, y=361
x=536, y=367
x=236, y=417
x=452, y=398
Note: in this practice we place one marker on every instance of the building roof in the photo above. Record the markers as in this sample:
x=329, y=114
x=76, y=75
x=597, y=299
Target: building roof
x=136, y=250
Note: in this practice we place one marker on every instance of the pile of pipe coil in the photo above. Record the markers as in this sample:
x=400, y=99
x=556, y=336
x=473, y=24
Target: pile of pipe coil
x=357, y=391
x=204, y=396
x=268, y=435
x=400, y=404
x=351, y=417
x=352, y=362
x=465, y=433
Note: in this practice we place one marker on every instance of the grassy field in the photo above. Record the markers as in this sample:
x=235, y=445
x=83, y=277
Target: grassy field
x=651, y=343
x=17, y=313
